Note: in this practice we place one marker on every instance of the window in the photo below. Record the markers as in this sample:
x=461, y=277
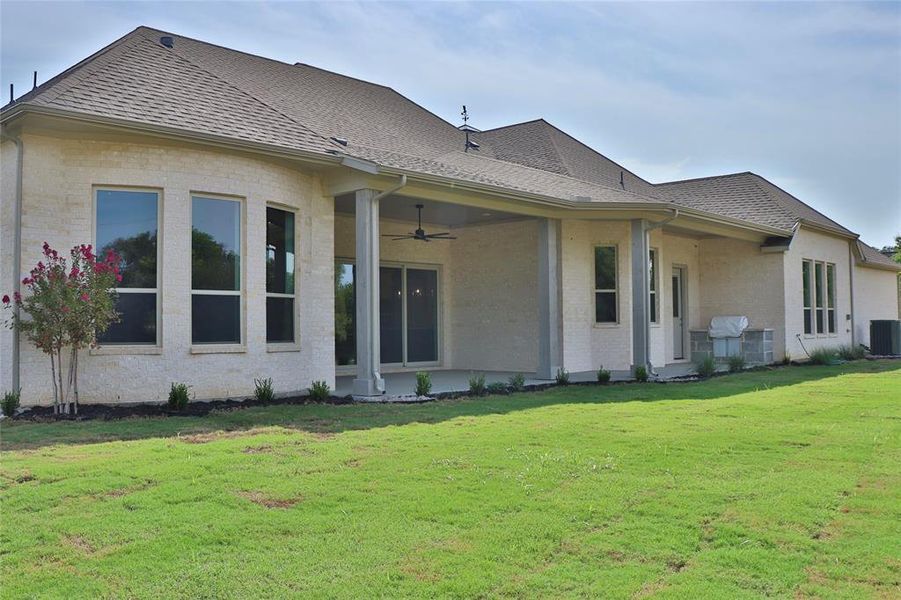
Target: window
x=830, y=298
x=652, y=271
x=126, y=223
x=819, y=296
x=279, y=276
x=215, y=271
x=605, y=304
x=408, y=314
x=806, y=273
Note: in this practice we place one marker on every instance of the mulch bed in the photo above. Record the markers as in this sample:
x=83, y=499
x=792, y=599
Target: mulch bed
x=108, y=412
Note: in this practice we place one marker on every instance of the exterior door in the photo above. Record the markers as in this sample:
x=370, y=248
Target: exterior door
x=678, y=314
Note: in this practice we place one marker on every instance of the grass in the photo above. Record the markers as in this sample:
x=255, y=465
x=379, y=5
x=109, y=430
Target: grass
x=776, y=483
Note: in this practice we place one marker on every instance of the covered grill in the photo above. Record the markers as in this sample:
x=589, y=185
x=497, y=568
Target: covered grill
x=726, y=332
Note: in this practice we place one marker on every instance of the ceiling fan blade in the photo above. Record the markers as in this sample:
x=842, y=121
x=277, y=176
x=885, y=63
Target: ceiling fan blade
x=441, y=236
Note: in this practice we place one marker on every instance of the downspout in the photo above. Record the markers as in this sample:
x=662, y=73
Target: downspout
x=647, y=301
x=388, y=192
x=851, y=267
x=375, y=292
x=17, y=255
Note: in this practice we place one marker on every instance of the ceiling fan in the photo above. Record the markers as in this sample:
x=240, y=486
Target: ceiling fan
x=420, y=234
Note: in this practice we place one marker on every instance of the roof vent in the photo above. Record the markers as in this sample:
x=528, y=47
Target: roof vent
x=167, y=41
x=339, y=140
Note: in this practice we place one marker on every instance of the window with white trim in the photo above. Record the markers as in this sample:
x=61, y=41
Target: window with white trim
x=126, y=222
x=279, y=275
x=818, y=297
x=652, y=286
x=605, y=279
x=807, y=274
x=215, y=270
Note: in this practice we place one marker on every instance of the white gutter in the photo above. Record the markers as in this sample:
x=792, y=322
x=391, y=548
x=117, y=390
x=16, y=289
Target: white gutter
x=660, y=224
x=389, y=191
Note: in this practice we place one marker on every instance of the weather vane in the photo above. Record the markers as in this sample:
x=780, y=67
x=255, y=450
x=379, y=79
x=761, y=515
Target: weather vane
x=465, y=115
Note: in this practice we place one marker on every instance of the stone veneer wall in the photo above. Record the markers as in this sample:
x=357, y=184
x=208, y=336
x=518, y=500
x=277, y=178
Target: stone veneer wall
x=756, y=346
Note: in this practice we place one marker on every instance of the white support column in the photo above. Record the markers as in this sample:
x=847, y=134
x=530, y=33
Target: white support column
x=369, y=381
x=640, y=296
x=550, y=348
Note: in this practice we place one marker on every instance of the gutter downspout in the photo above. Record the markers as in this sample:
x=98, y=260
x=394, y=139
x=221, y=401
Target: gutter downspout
x=389, y=191
x=851, y=267
x=374, y=291
x=647, y=301
x=17, y=255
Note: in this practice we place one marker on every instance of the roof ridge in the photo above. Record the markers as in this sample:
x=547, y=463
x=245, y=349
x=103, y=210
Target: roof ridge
x=241, y=90
x=757, y=182
x=513, y=125
x=703, y=178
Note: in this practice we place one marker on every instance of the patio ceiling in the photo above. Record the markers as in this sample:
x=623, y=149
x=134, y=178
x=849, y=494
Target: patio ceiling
x=403, y=208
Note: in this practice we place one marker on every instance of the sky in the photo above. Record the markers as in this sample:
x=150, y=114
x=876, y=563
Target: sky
x=806, y=94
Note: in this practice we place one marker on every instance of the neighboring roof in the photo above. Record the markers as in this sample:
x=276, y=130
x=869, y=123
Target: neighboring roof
x=201, y=88
x=749, y=197
x=871, y=257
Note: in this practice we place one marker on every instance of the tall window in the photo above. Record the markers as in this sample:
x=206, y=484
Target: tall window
x=605, y=304
x=830, y=297
x=126, y=223
x=819, y=296
x=215, y=271
x=652, y=271
x=806, y=273
x=279, y=275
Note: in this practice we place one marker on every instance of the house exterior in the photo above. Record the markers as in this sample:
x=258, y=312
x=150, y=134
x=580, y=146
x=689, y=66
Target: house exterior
x=256, y=203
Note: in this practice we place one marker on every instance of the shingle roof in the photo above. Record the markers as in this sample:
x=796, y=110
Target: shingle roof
x=875, y=258
x=540, y=145
x=202, y=88
x=748, y=197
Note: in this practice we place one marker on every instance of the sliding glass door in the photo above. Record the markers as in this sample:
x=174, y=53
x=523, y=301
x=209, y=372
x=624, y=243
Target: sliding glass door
x=408, y=314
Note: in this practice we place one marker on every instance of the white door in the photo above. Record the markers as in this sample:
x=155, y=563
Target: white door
x=678, y=314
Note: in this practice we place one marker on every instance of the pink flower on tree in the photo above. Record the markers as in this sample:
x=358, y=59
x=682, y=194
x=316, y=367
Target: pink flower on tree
x=5, y=298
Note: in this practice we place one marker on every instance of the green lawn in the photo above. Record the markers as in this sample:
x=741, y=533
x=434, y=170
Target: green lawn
x=781, y=483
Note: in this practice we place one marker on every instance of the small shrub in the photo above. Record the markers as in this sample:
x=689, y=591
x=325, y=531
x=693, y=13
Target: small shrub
x=562, y=377
x=423, y=383
x=497, y=387
x=517, y=382
x=319, y=391
x=706, y=367
x=787, y=359
x=736, y=363
x=850, y=352
x=477, y=385
x=823, y=356
x=11, y=402
x=641, y=374
x=178, y=396
x=603, y=376
x=262, y=390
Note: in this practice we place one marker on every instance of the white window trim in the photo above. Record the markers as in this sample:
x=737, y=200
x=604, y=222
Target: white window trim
x=293, y=346
x=220, y=347
x=110, y=349
x=808, y=302
x=817, y=332
x=615, y=290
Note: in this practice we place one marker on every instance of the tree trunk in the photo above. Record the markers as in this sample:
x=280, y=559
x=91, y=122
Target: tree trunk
x=55, y=387
x=75, y=380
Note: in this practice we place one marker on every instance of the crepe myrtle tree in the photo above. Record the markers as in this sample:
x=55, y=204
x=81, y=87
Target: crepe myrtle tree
x=66, y=304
